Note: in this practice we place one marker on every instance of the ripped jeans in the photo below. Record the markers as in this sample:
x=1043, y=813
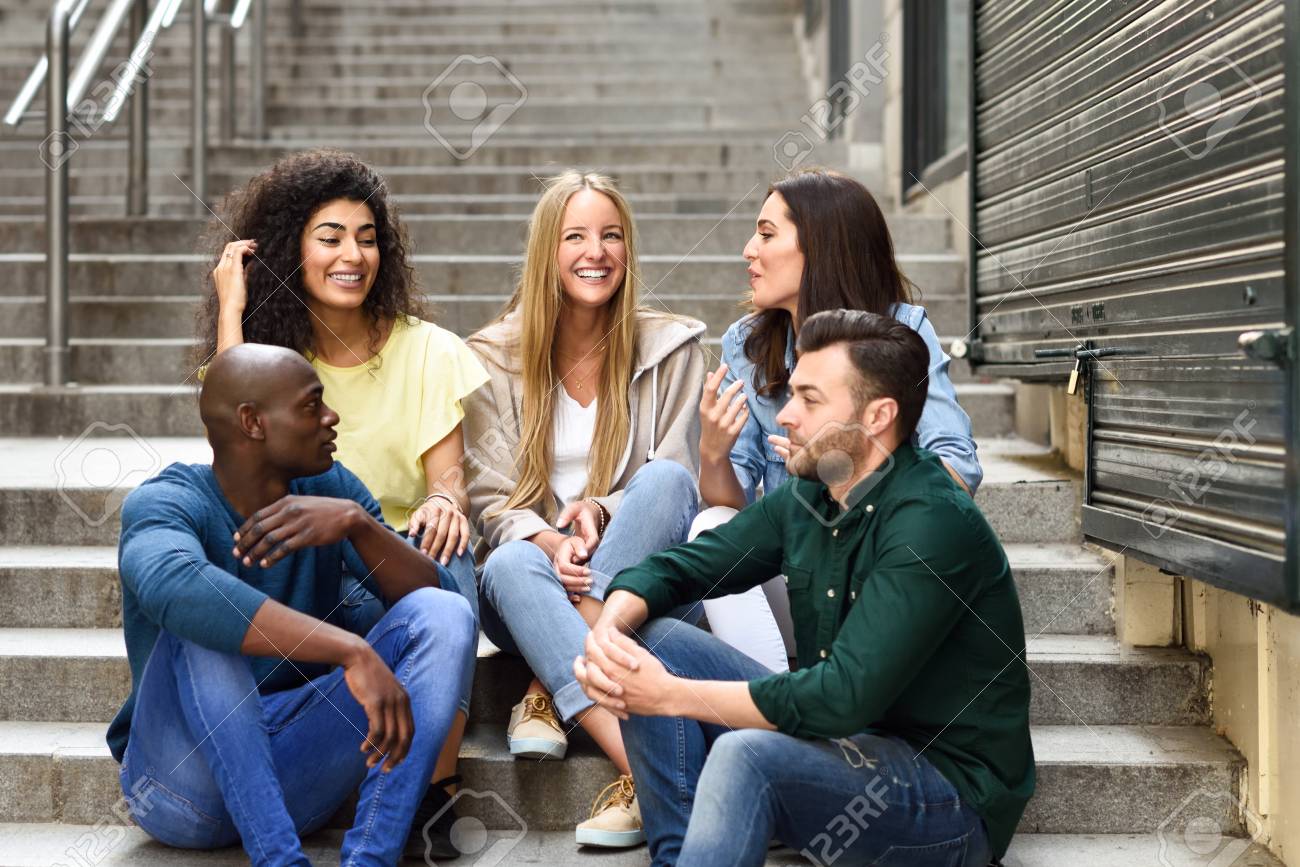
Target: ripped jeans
x=711, y=795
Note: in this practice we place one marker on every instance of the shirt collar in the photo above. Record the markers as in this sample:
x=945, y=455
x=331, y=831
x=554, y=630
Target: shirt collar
x=866, y=494
x=789, y=347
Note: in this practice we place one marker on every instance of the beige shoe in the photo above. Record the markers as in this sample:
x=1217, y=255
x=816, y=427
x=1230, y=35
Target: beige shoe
x=615, y=821
x=534, y=731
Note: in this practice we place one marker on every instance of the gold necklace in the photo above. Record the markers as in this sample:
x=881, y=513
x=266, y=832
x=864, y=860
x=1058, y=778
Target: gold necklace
x=578, y=383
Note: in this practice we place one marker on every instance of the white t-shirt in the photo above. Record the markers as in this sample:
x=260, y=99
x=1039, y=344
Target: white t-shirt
x=574, y=429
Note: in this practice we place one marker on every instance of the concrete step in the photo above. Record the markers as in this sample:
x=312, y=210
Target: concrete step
x=427, y=180
x=1091, y=780
x=108, y=151
x=1028, y=494
x=463, y=307
x=1064, y=588
x=561, y=114
x=38, y=844
x=81, y=675
x=176, y=201
x=166, y=409
x=432, y=233
x=136, y=274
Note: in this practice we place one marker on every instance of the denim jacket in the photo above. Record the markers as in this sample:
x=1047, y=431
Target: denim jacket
x=944, y=427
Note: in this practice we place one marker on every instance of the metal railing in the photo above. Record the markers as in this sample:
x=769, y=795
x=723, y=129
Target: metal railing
x=63, y=106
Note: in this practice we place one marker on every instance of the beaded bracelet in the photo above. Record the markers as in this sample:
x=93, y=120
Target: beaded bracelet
x=604, y=515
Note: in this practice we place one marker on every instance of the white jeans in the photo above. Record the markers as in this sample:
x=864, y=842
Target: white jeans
x=756, y=622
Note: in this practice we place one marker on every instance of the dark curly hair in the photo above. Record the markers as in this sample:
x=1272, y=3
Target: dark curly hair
x=273, y=208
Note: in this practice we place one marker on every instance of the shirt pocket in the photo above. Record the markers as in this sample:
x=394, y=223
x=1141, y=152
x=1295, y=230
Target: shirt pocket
x=798, y=585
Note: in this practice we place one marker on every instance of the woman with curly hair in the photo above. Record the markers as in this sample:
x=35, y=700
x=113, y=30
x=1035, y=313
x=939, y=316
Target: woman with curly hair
x=586, y=463
x=321, y=266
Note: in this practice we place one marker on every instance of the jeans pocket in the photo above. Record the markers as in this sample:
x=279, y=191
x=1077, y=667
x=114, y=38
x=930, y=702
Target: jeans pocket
x=951, y=853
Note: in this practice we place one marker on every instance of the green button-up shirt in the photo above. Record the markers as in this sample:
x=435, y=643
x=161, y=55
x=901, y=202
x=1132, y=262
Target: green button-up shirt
x=906, y=617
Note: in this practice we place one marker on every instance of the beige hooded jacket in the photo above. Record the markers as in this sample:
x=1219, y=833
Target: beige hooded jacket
x=664, y=399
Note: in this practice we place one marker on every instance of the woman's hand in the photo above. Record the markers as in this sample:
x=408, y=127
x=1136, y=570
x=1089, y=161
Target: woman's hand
x=445, y=529
x=781, y=445
x=585, y=516
x=721, y=416
x=570, y=561
x=230, y=277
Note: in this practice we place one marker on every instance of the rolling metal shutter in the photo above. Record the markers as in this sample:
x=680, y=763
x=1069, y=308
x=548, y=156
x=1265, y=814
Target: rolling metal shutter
x=1132, y=183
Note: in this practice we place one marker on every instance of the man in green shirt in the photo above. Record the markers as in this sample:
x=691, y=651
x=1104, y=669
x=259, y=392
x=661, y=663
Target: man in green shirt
x=904, y=734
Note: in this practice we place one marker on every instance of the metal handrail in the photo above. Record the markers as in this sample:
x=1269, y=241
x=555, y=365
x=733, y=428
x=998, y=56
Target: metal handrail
x=36, y=78
x=64, y=93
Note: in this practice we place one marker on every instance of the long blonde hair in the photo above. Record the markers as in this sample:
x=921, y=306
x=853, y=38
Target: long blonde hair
x=539, y=298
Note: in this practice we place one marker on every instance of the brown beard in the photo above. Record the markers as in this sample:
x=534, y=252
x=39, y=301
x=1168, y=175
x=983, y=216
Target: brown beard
x=831, y=458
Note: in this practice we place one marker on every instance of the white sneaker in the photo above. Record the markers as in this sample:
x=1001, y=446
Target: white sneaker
x=534, y=731
x=615, y=821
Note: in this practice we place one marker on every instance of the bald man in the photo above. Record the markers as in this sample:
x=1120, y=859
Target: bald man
x=253, y=713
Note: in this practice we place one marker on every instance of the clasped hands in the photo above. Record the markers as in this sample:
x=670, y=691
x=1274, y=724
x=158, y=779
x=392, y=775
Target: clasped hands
x=622, y=676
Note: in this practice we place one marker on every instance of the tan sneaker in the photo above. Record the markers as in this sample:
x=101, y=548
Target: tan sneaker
x=615, y=821
x=534, y=731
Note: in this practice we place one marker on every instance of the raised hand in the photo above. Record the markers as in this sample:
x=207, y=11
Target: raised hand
x=230, y=277
x=722, y=417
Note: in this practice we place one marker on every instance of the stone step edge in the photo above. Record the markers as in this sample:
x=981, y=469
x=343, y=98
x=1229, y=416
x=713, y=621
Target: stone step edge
x=37, y=844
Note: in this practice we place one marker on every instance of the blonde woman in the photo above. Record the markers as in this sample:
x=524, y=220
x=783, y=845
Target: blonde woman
x=583, y=450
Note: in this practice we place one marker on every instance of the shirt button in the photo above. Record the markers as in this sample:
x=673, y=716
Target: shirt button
x=870, y=508
x=835, y=532
x=824, y=654
x=853, y=594
x=831, y=592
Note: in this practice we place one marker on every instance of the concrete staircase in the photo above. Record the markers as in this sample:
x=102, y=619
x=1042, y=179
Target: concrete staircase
x=1127, y=758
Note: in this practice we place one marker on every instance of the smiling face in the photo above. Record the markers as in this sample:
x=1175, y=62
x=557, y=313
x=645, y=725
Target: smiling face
x=340, y=254
x=775, y=260
x=592, y=253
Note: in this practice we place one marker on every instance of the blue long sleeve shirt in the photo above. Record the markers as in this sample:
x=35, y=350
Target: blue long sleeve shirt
x=178, y=573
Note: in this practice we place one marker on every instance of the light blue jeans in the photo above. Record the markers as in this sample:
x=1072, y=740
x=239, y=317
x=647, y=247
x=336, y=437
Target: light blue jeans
x=712, y=795
x=212, y=763
x=361, y=610
x=526, y=610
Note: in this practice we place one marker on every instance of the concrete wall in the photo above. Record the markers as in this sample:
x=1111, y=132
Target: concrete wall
x=1256, y=653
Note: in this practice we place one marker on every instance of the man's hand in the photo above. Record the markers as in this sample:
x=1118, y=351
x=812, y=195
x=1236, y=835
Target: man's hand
x=622, y=676
x=386, y=705
x=571, y=557
x=294, y=522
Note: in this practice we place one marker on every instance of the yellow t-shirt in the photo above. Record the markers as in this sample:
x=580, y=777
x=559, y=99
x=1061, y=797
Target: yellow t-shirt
x=398, y=405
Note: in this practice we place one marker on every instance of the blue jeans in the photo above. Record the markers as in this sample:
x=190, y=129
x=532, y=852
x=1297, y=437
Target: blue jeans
x=526, y=609
x=712, y=795
x=211, y=763
x=361, y=610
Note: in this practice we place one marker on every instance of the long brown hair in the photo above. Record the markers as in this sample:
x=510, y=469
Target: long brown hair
x=848, y=263
x=539, y=298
